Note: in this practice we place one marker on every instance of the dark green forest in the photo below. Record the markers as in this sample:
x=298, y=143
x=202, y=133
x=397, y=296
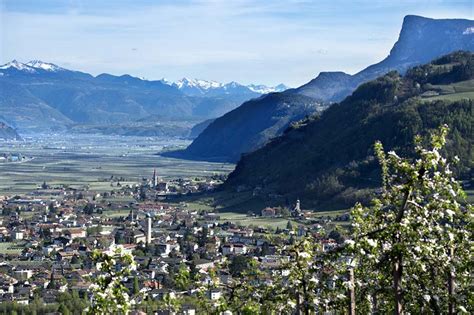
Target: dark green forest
x=328, y=160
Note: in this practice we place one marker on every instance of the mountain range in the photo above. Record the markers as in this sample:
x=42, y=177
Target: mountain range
x=241, y=131
x=328, y=161
x=43, y=96
x=198, y=87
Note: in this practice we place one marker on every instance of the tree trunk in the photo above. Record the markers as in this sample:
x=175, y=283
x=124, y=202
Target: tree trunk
x=398, y=264
x=397, y=284
x=352, y=302
x=451, y=284
x=298, y=304
x=375, y=308
x=305, y=298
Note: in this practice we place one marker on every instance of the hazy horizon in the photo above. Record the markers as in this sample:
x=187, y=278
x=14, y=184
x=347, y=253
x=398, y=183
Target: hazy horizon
x=286, y=42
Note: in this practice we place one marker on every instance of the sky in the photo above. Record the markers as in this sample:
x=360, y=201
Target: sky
x=264, y=42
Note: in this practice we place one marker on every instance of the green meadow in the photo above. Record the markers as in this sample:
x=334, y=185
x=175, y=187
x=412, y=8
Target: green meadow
x=453, y=92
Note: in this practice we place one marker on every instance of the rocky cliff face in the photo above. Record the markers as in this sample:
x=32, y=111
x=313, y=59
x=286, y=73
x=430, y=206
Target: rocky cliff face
x=421, y=40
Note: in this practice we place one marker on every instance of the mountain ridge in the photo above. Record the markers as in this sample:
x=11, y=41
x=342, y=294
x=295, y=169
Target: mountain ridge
x=329, y=87
x=327, y=160
x=200, y=87
x=421, y=39
x=49, y=97
x=203, y=86
x=263, y=118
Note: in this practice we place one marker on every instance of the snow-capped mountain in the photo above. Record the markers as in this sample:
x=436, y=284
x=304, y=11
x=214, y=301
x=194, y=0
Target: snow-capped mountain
x=201, y=84
x=31, y=66
x=190, y=87
x=263, y=89
x=38, y=64
x=41, y=95
x=14, y=64
x=196, y=87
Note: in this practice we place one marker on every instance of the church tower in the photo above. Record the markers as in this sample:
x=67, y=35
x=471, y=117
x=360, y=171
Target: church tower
x=148, y=229
x=155, y=179
x=297, y=209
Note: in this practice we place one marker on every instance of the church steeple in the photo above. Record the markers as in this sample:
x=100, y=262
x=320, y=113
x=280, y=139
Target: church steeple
x=297, y=209
x=155, y=179
x=148, y=229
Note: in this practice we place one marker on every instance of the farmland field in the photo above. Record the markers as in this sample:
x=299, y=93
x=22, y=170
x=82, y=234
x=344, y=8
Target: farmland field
x=453, y=97
x=79, y=160
x=244, y=220
x=453, y=92
x=273, y=223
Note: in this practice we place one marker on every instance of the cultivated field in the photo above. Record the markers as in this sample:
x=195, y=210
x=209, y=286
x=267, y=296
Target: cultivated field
x=78, y=160
x=453, y=92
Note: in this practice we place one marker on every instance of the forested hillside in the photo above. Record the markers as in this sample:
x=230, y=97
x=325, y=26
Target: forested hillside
x=328, y=161
x=249, y=126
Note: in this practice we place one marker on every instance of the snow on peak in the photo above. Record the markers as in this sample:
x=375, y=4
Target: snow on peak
x=38, y=64
x=263, y=89
x=232, y=84
x=197, y=83
x=18, y=65
x=205, y=86
x=32, y=66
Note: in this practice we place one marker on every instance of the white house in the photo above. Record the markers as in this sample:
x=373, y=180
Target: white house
x=240, y=249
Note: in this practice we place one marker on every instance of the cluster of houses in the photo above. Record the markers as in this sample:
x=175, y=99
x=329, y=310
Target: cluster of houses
x=13, y=157
x=46, y=241
x=157, y=188
x=181, y=186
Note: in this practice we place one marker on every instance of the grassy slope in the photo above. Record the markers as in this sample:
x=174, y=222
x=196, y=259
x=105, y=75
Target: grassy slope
x=453, y=92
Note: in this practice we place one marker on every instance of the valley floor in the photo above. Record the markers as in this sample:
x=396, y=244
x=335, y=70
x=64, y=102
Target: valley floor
x=79, y=160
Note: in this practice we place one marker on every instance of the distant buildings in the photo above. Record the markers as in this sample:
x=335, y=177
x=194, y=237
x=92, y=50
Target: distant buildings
x=155, y=179
x=51, y=230
x=148, y=229
x=268, y=212
x=13, y=157
x=297, y=209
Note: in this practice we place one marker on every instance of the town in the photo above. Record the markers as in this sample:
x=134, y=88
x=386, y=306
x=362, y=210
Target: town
x=236, y=157
x=47, y=238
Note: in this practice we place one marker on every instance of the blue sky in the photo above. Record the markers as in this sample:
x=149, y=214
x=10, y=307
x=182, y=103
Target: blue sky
x=246, y=41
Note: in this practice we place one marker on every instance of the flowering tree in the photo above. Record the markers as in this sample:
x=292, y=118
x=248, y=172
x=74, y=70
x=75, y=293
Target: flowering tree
x=410, y=253
x=108, y=293
x=412, y=246
x=305, y=280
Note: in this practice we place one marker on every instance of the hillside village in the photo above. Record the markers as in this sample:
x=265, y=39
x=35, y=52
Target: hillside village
x=47, y=238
